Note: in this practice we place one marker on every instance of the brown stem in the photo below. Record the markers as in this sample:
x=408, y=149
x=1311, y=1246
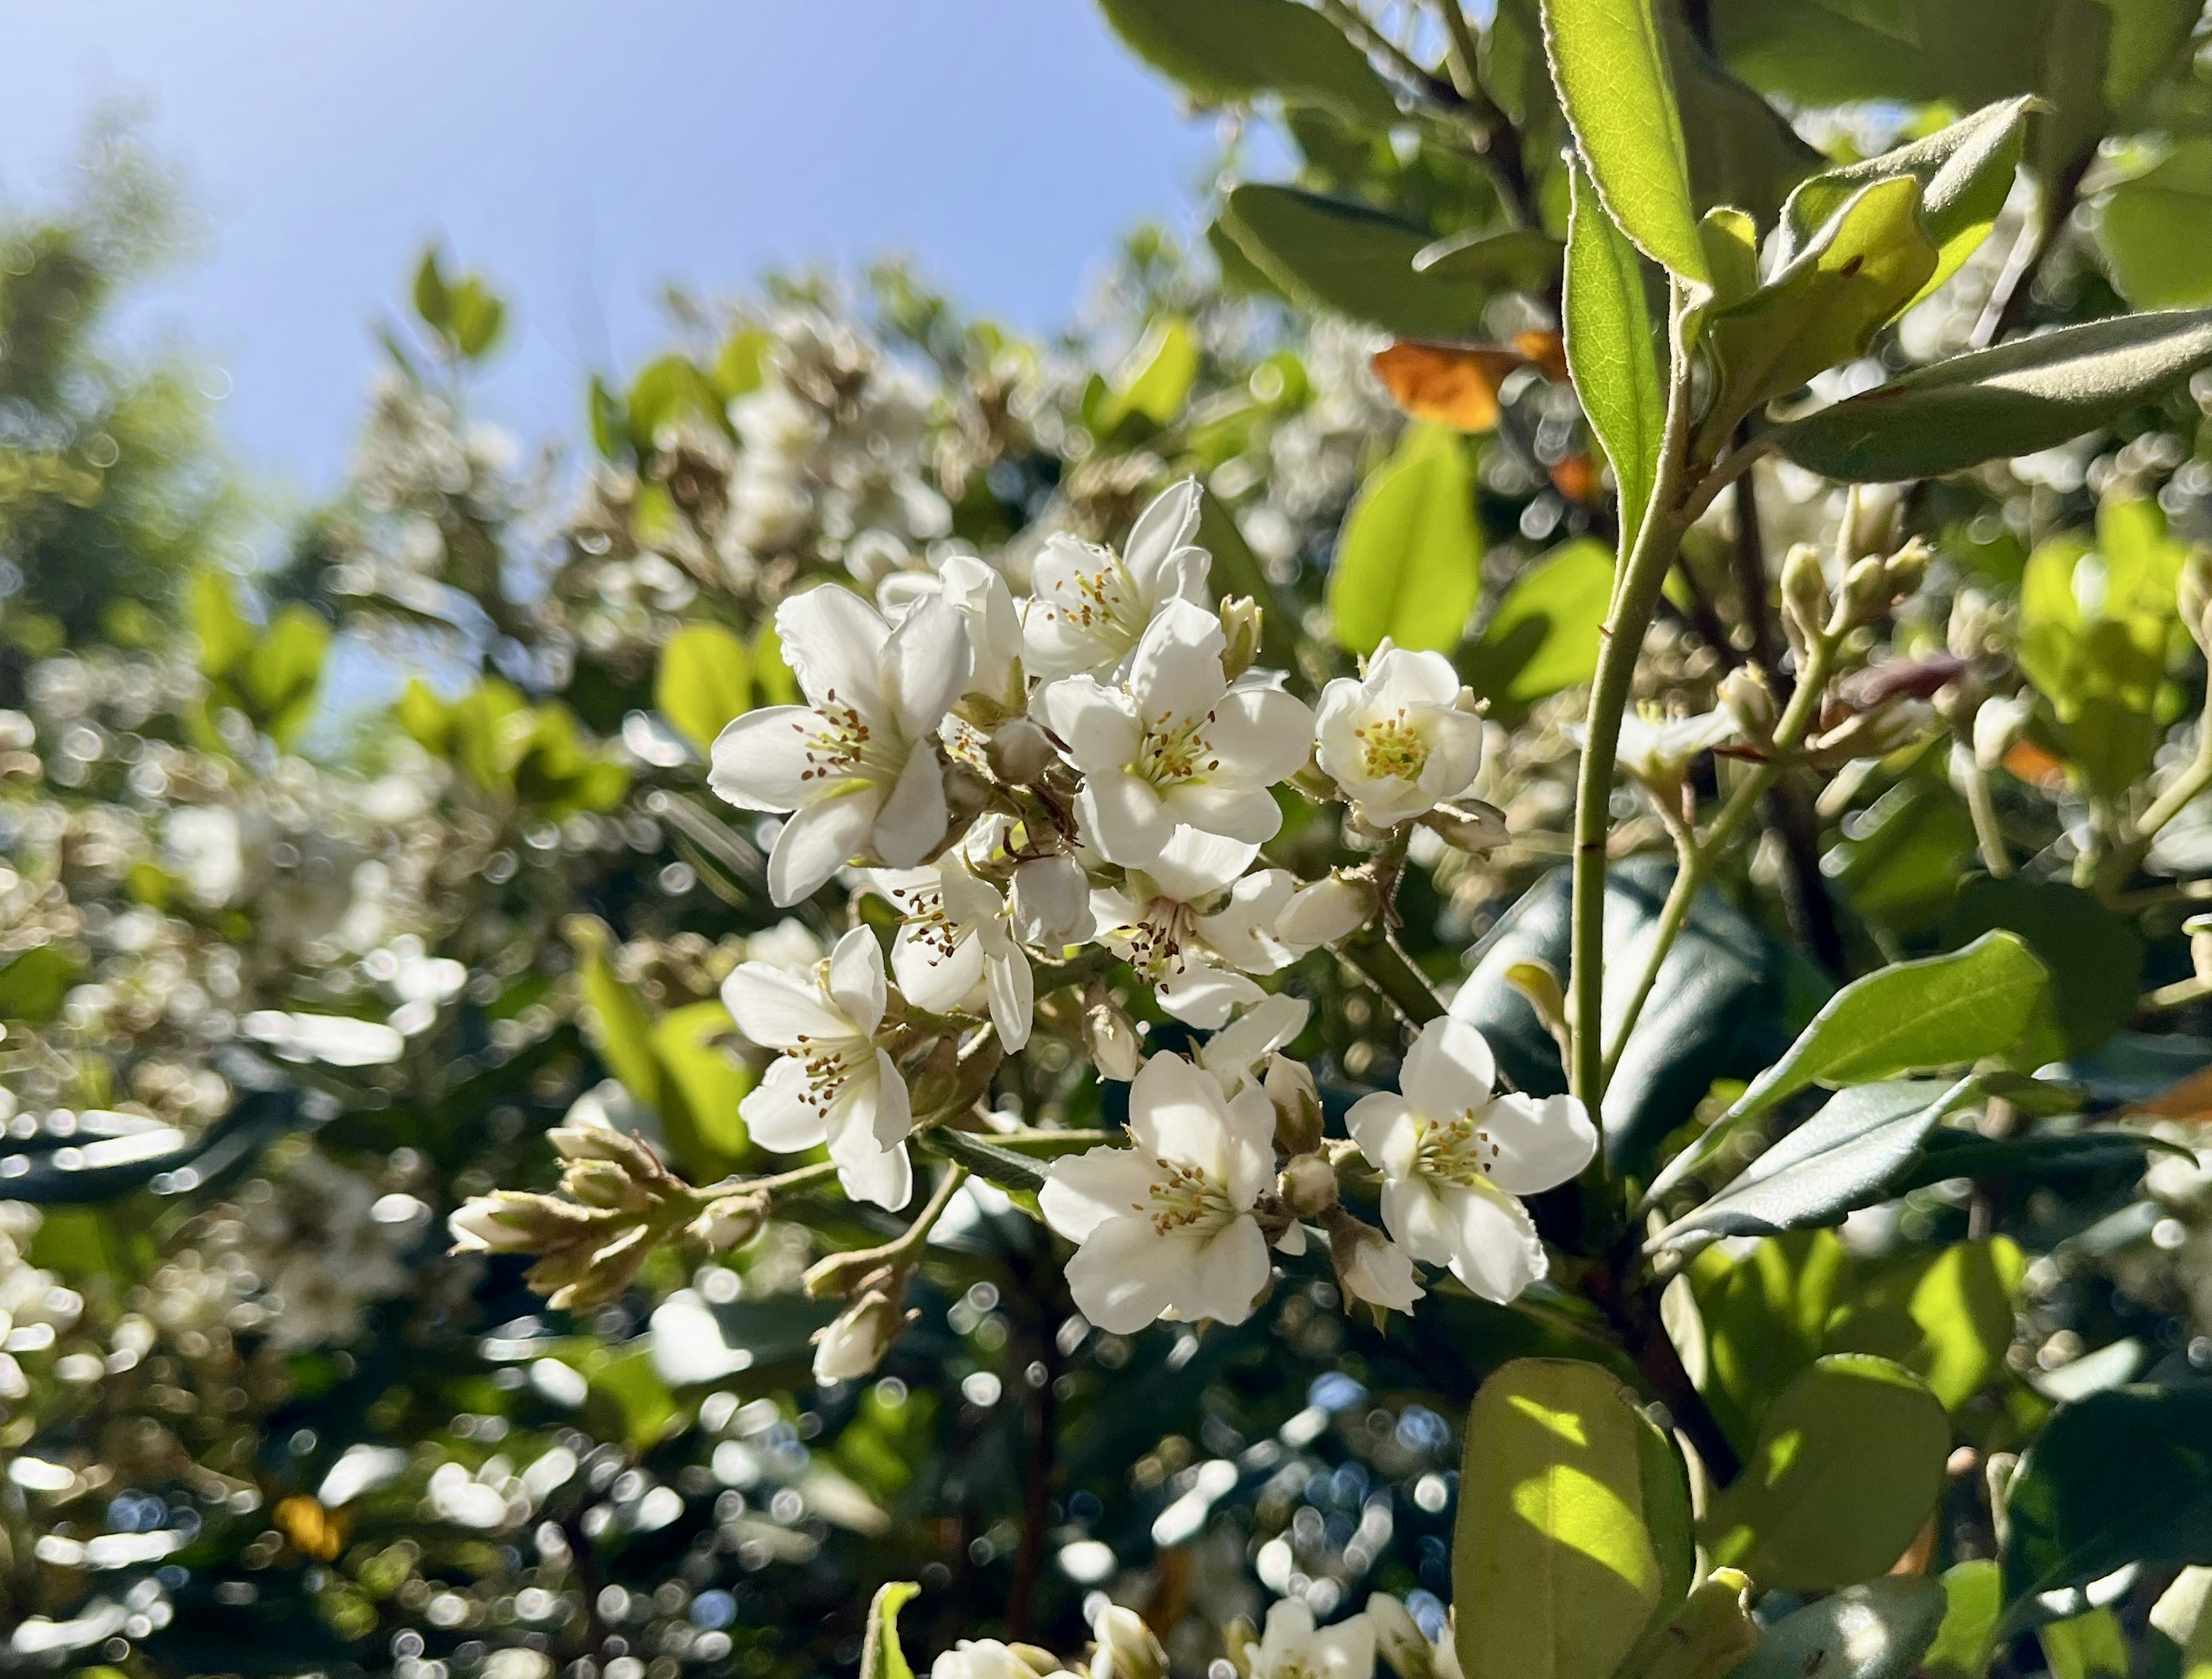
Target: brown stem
x=1634, y=1316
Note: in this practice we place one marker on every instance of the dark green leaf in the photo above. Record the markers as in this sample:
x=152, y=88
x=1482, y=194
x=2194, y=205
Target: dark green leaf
x=1408, y=563
x=1951, y=1154
x=1610, y=353
x=988, y=1160
x=2013, y=400
x=1241, y=49
x=1873, y=1631
x=434, y=301
x=2095, y=957
x=1518, y=258
x=1351, y=259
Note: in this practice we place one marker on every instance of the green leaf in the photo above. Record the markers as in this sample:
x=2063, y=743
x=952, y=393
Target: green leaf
x=610, y=422
x=1849, y=1464
x=1869, y=260
x=626, y=1400
x=2094, y=956
x=284, y=674
x=1516, y=258
x=1731, y=241
x=1609, y=351
x=2045, y=1158
x=1875, y=1631
x=1845, y=1157
x=2087, y=1646
x=1613, y=82
x=2018, y=398
x=1708, y=1635
x=772, y=677
x=1966, y=173
x=1155, y=379
x=2152, y=228
x=1743, y=152
x=226, y=638
x=700, y=1087
x=704, y=680
x=1942, y=1011
x=1234, y=50
x=34, y=983
x=1946, y=1315
x=1972, y=1594
x=989, y=1161
x=1544, y=636
x=478, y=316
x=434, y=301
x=1408, y=563
x=1345, y=257
x=621, y=1026
x=880, y=1655
x=665, y=390
x=2123, y=1476
x=1764, y=1317
x=2095, y=626
x=1554, y=1572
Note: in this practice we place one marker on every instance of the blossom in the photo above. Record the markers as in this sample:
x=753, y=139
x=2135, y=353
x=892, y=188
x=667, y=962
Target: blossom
x=1166, y=1228
x=987, y=1659
x=1236, y=1055
x=956, y=935
x=852, y=1343
x=857, y=766
x=977, y=591
x=1178, y=744
x=1293, y=1648
x=1656, y=749
x=1398, y=739
x=1089, y=606
x=833, y=1083
x=1050, y=899
x=1455, y=1158
x=1372, y=1268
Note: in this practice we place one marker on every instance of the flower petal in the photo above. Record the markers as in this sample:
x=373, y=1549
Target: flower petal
x=1383, y=1126
x=1168, y=525
x=935, y=978
x=778, y=1114
x=894, y=1114
x=779, y=1009
x=856, y=980
x=760, y=761
x=1495, y=1248
x=1013, y=990
x=1225, y=1275
x=883, y=1177
x=1178, y=1113
x=1126, y=1273
x=1124, y=818
x=1195, y=866
x=1448, y=1071
x=926, y=665
x=912, y=822
x=834, y=643
x=1266, y=732
x=1082, y=1191
x=1176, y=672
x=1097, y=725
x=1540, y=1141
x=817, y=841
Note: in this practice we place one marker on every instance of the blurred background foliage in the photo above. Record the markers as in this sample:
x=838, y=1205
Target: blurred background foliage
x=329, y=888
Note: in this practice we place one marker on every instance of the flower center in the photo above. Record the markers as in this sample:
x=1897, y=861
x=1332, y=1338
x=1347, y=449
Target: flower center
x=1185, y=1198
x=828, y=1066
x=1095, y=599
x=1152, y=943
x=1390, y=747
x=1457, y=1150
x=1175, y=749
x=932, y=929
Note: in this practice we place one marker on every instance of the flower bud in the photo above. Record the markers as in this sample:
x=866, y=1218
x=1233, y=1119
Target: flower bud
x=730, y=1221
x=1127, y=1648
x=1867, y=734
x=1866, y=592
x=966, y=792
x=1998, y=722
x=1020, y=751
x=1805, y=603
x=593, y=1142
x=1050, y=898
x=1906, y=570
x=1332, y=908
x=1399, y=1639
x=1371, y=1267
x=1111, y=1038
x=604, y=1184
x=1241, y=621
x=1467, y=824
x=1290, y=1087
x=856, y=1340
x=508, y=1221
x=1308, y=1185
x=1749, y=703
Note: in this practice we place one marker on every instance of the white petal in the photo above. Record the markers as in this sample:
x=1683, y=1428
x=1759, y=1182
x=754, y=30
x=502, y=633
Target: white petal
x=1329, y=909
x=1250, y=1153
x=817, y=841
x=1249, y=814
x=776, y=1114
x=1541, y=1142
x=1414, y=1213
x=1383, y=1126
x=1245, y=930
x=856, y=980
x=1205, y=996
x=1265, y=732
x=1126, y=1273
x=1448, y=1071
x=1179, y=1114
x=1225, y=1275
x=931, y=977
x=834, y=643
x=1082, y=1191
x=779, y=1009
x=1495, y=1250
x=926, y=666
x=1097, y=725
x=1195, y=866
x=760, y=760
x=883, y=1178
x=912, y=822
x=1454, y=740
x=1401, y=676
x=1123, y=816
x=1176, y=672
x=1168, y=525
x=1013, y=989
x=894, y=1115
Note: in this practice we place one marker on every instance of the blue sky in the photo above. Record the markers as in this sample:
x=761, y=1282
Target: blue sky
x=582, y=152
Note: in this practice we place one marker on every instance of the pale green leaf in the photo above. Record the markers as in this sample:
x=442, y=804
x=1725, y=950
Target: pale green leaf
x=702, y=1084
x=2086, y=1646
x=704, y=679
x=1154, y=381
x=1609, y=351
x=1544, y=636
x=1972, y=1594
x=2155, y=228
x=1352, y=259
x=881, y=1658
x=1408, y=562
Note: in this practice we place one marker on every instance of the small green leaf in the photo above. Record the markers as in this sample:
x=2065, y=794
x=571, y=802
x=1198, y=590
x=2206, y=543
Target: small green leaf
x=1352, y=259
x=1731, y=241
x=1517, y=258
x=1544, y=636
x=1609, y=351
x=2086, y=1646
x=610, y=422
x=1995, y=404
x=35, y=981
x=1614, y=84
x=1408, y=562
x=621, y=1026
x=880, y=1655
x=1156, y=380
x=2154, y=228
x=626, y=1400
x=1849, y=1464
x=1942, y=1011
x=225, y=636
x=284, y=674
x=1554, y=1572
x=434, y=301
x=1946, y=1314
x=478, y=317
x=1966, y=173
x=665, y=390
x=704, y=680
x=1971, y=1595
x=700, y=1087
x=1234, y=50
x=1708, y=1635
x=987, y=1159
x=1875, y=1631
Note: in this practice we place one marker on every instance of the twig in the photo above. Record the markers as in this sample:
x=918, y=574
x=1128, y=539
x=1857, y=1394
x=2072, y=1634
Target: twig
x=1366, y=36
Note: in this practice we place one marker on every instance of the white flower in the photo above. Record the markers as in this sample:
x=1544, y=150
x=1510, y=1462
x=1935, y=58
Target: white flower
x=1656, y=749
x=1236, y=1054
x=857, y=766
x=1088, y=606
x=833, y=1083
x=1127, y=1648
x=1396, y=740
x=1193, y=914
x=205, y=842
x=957, y=936
x=1166, y=1227
x=1293, y=1648
x=977, y=591
x=1050, y=898
x=336, y=1040
x=1178, y=744
x=1454, y=1158
x=986, y=1658
x=1372, y=1268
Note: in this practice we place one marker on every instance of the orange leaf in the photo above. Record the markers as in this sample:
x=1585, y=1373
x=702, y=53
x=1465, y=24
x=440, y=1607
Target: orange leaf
x=1450, y=385
x=2034, y=765
x=1545, y=351
x=1576, y=478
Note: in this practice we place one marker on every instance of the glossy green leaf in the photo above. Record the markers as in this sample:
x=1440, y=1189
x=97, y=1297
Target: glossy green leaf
x=1544, y=636
x=1610, y=353
x=1408, y=562
x=1240, y=49
x=1764, y=1315
x=1000, y=1166
x=1520, y=258
x=1947, y=1315
x=2155, y=228
x=2123, y=1476
x=2086, y=1646
x=704, y=679
x=1346, y=257
x=1610, y=67
x=1554, y=1572
x=1972, y=1594
x=1966, y=173
x=1845, y=1157
x=1849, y=1464
x=1942, y=1011
x=1877, y=1630
x=2095, y=957
x=2096, y=621
x=1821, y=309
x=2031, y=394
x=881, y=1658
x=1154, y=381
x=701, y=1085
